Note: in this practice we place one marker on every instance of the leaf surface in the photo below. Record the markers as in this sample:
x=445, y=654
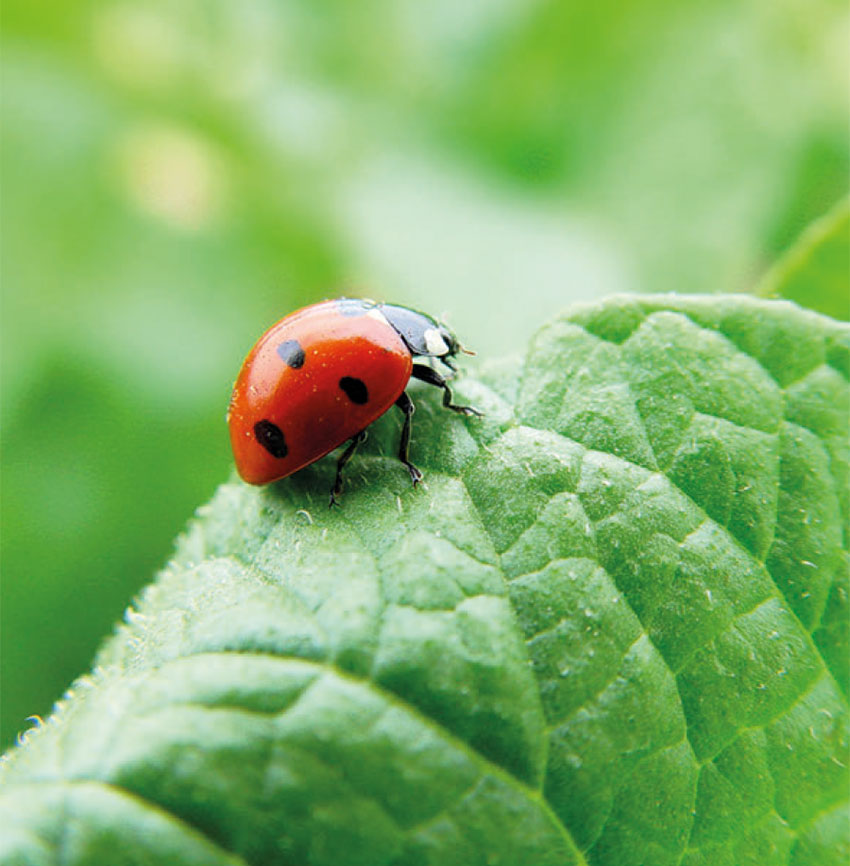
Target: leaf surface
x=611, y=629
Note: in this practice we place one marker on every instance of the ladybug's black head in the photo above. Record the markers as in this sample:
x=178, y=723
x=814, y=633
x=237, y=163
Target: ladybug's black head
x=422, y=334
x=446, y=341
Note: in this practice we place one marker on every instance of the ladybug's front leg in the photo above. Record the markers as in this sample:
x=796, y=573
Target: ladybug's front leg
x=406, y=405
x=432, y=377
x=340, y=464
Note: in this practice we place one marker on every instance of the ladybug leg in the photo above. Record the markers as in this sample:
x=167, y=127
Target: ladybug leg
x=406, y=405
x=432, y=377
x=444, y=359
x=340, y=465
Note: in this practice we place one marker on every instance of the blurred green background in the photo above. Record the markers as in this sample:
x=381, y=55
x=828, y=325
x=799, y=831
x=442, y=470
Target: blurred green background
x=177, y=175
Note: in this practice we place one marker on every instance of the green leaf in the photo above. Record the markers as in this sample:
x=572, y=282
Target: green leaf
x=814, y=272
x=611, y=628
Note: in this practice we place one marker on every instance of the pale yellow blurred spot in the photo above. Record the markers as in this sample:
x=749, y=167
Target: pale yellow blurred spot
x=835, y=52
x=172, y=175
x=137, y=45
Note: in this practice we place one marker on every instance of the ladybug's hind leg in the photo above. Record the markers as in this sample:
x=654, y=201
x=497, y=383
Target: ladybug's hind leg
x=340, y=465
x=406, y=405
x=432, y=377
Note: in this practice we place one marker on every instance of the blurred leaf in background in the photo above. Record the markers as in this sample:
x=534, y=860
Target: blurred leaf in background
x=815, y=269
x=176, y=176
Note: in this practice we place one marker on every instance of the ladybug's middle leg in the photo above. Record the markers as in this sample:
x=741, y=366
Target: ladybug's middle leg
x=432, y=377
x=406, y=405
x=340, y=465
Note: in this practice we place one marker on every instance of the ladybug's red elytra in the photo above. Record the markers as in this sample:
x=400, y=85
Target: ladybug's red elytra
x=322, y=374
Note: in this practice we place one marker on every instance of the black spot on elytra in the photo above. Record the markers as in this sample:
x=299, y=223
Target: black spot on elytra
x=291, y=353
x=355, y=389
x=270, y=436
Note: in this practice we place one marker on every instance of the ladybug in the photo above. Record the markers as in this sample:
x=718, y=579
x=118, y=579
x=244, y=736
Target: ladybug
x=322, y=374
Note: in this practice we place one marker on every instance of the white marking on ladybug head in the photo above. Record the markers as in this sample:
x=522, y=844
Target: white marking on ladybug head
x=434, y=343
x=376, y=314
